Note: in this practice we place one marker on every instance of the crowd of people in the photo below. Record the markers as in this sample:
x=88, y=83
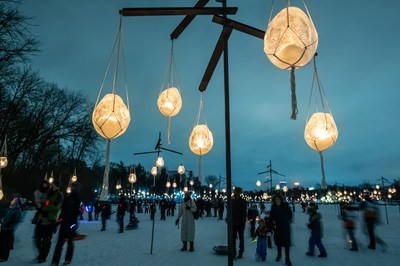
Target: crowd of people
x=56, y=212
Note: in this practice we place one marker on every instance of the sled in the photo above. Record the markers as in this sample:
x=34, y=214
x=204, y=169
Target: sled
x=221, y=250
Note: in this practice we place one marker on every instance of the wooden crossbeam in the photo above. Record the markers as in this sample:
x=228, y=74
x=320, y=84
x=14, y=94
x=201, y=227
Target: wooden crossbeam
x=176, y=11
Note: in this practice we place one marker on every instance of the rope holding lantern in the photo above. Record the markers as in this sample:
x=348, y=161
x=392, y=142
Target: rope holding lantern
x=290, y=42
x=169, y=100
x=201, y=139
x=320, y=131
x=111, y=117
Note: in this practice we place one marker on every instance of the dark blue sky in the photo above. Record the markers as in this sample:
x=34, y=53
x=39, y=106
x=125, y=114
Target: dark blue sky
x=358, y=66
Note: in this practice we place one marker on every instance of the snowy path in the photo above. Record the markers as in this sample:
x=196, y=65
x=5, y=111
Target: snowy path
x=133, y=247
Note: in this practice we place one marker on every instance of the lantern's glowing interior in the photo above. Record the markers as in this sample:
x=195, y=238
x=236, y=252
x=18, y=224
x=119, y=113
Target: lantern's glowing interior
x=51, y=180
x=201, y=140
x=265, y=196
x=181, y=169
x=321, y=132
x=185, y=189
x=170, y=102
x=74, y=178
x=132, y=178
x=111, y=117
x=278, y=187
x=160, y=162
x=68, y=190
x=154, y=171
x=168, y=184
x=258, y=183
x=174, y=185
x=290, y=40
x=191, y=182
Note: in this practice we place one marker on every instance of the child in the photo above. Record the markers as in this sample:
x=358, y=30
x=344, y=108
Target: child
x=262, y=233
x=316, y=232
x=10, y=220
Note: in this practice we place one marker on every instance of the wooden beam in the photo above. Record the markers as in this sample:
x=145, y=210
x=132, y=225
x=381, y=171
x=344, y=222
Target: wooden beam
x=186, y=21
x=219, y=48
x=176, y=11
x=239, y=26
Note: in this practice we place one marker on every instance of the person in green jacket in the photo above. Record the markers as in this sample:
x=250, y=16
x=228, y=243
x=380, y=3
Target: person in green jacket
x=46, y=223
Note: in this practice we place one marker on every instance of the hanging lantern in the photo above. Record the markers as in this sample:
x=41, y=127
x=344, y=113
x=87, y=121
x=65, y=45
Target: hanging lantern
x=68, y=190
x=74, y=178
x=160, y=162
x=169, y=103
x=1, y=194
x=51, y=178
x=211, y=185
x=174, y=184
x=201, y=140
x=191, y=182
x=216, y=191
x=132, y=178
x=278, y=187
x=3, y=162
x=168, y=185
x=290, y=42
x=258, y=183
x=3, y=154
x=111, y=117
x=223, y=190
x=185, y=189
x=154, y=171
x=265, y=196
x=181, y=169
x=284, y=189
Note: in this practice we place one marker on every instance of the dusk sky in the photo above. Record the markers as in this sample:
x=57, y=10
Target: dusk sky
x=357, y=63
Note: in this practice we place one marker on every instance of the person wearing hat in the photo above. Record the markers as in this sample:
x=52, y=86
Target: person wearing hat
x=239, y=210
x=10, y=220
x=186, y=210
x=68, y=223
x=316, y=232
x=46, y=223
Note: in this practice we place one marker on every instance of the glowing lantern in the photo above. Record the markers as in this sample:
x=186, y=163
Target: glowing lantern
x=278, y=187
x=74, y=178
x=223, y=190
x=216, y=191
x=265, y=196
x=201, y=140
x=211, y=185
x=174, y=184
x=154, y=171
x=3, y=154
x=160, y=162
x=185, y=189
x=168, y=185
x=321, y=132
x=181, y=169
x=132, y=178
x=169, y=103
x=290, y=42
x=258, y=183
x=51, y=179
x=377, y=187
x=68, y=190
x=191, y=182
x=1, y=194
x=3, y=162
x=111, y=117
x=284, y=189
x=389, y=196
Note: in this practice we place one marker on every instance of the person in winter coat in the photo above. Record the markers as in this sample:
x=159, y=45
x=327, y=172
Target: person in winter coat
x=173, y=207
x=221, y=208
x=40, y=198
x=252, y=215
x=81, y=211
x=186, y=210
x=349, y=219
x=105, y=214
x=261, y=233
x=269, y=225
x=239, y=210
x=163, y=207
x=122, y=208
x=262, y=208
x=132, y=207
x=47, y=221
x=68, y=223
x=89, y=209
x=316, y=232
x=97, y=209
x=10, y=220
x=281, y=217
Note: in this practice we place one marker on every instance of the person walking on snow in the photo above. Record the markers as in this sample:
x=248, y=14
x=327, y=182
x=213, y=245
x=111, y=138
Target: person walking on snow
x=239, y=210
x=122, y=207
x=252, y=215
x=186, y=210
x=316, y=232
x=261, y=233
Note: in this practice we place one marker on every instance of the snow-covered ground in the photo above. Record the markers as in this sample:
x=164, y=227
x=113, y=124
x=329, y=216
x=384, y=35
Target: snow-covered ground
x=133, y=247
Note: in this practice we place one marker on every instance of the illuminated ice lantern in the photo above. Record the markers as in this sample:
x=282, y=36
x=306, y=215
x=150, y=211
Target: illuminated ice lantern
x=291, y=39
x=258, y=183
x=160, y=162
x=132, y=178
x=181, y=169
x=201, y=140
x=168, y=185
x=191, y=182
x=74, y=178
x=265, y=196
x=321, y=132
x=154, y=171
x=3, y=162
x=111, y=117
x=68, y=190
x=277, y=187
x=174, y=184
x=284, y=189
x=169, y=103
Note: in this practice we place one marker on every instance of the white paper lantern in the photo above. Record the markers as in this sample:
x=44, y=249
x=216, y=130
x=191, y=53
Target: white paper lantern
x=168, y=184
x=321, y=132
x=160, y=162
x=111, y=117
x=74, y=178
x=291, y=39
x=258, y=183
x=191, y=182
x=278, y=187
x=154, y=171
x=174, y=184
x=285, y=189
x=185, y=189
x=181, y=169
x=132, y=178
x=170, y=102
x=265, y=196
x=201, y=140
x=3, y=162
x=68, y=190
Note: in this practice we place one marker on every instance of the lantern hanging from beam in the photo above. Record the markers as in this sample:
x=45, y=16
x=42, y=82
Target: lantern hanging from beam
x=154, y=171
x=201, y=139
x=181, y=169
x=174, y=184
x=68, y=190
x=132, y=178
x=74, y=178
x=160, y=162
x=111, y=117
x=290, y=42
x=277, y=187
x=258, y=183
x=320, y=131
x=51, y=178
x=3, y=154
x=191, y=182
x=169, y=100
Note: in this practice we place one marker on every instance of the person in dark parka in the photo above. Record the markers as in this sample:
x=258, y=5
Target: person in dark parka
x=252, y=215
x=239, y=208
x=105, y=214
x=122, y=208
x=316, y=232
x=69, y=221
x=281, y=217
